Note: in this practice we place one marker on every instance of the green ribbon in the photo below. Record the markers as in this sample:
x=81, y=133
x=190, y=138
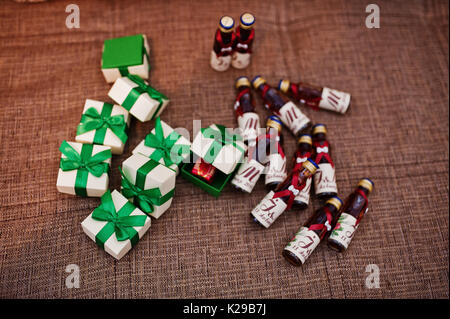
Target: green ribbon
x=141, y=89
x=146, y=199
x=84, y=163
x=124, y=69
x=221, y=138
x=92, y=120
x=165, y=148
x=119, y=223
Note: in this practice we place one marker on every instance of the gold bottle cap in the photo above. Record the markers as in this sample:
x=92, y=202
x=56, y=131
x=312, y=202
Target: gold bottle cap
x=283, y=86
x=319, y=128
x=335, y=201
x=310, y=165
x=247, y=20
x=226, y=24
x=305, y=138
x=242, y=81
x=275, y=122
x=257, y=81
x=366, y=183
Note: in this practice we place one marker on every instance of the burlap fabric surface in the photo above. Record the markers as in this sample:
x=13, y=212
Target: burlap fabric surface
x=396, y=133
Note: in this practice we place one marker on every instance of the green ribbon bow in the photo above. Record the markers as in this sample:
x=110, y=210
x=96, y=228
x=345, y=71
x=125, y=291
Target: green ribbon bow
x=165, y=148
x=84, y=163
x=221, y=138
x=120, y=223
x=141, y=89
x=92, y=120
x=146, y=199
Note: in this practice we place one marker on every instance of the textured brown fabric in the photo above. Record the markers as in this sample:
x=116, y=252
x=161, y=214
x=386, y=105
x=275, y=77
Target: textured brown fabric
x=396, y=133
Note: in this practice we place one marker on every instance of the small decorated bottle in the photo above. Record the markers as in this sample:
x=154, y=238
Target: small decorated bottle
x=354, y=209
x=325, y=179
x=304, y=151
x=245, y=35
x=275, y=171
x=276, y=202
x=204, y=170
x=311, y=234
x=289, y=113
x=244, y=107
x=223, y=44
x=264, y=155
x=316, y=97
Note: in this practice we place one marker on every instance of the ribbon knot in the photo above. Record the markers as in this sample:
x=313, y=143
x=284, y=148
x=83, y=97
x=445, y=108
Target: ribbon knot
x=322, y=149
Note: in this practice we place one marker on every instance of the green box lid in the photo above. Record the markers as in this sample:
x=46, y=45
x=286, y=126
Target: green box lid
x=125, y=51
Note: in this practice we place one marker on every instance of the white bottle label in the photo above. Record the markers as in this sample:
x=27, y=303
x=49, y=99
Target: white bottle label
x=248, y=174
x=275, y=169
x=269, y=209
x=303, y=244
x=304, y=194
x=220, y=63
x=240, y=60
x=325, y=179
x=293, y=118
x=249, y=125
x=344, y=230
x=334, y=100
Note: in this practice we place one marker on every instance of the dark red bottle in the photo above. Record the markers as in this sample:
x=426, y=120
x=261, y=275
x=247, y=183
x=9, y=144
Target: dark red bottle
x=304, y=151
x=244, y=108
x=354, y=209
x=325, y=179
x=311, y=234
x=281, y=106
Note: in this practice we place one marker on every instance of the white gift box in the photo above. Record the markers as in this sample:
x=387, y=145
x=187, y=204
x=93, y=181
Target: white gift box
x=229, y=155
x=156, y=176
x=112, y=74
x=144, y=108
x=167, y=130
x=95, y=186
x=112, y=246
x=110, y=139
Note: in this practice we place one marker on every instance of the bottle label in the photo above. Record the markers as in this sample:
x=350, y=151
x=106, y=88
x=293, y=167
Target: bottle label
x=303, y=196
x=293, y=118
x=240, y=60
x=275, y=169
x=248, y=174
x=249, y=125
x=325, y=179
x=220, y=63
x=334, y=100
x=303, y=243
x=269, y=209
x=344, y=230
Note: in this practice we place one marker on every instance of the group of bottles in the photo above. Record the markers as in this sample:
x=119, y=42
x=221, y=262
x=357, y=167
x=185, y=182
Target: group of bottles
x=233, y=47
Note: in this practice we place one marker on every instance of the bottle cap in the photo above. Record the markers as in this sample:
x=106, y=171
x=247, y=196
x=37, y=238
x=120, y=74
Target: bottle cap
x=242, y=81
x=275, y=122
x=305, y=138
x=247, y=20
x=226, y=24
x=319, y=128
x=310, y=165
x=257, y=81
x=335, y=201
x=283, y=85
x=366, y=183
